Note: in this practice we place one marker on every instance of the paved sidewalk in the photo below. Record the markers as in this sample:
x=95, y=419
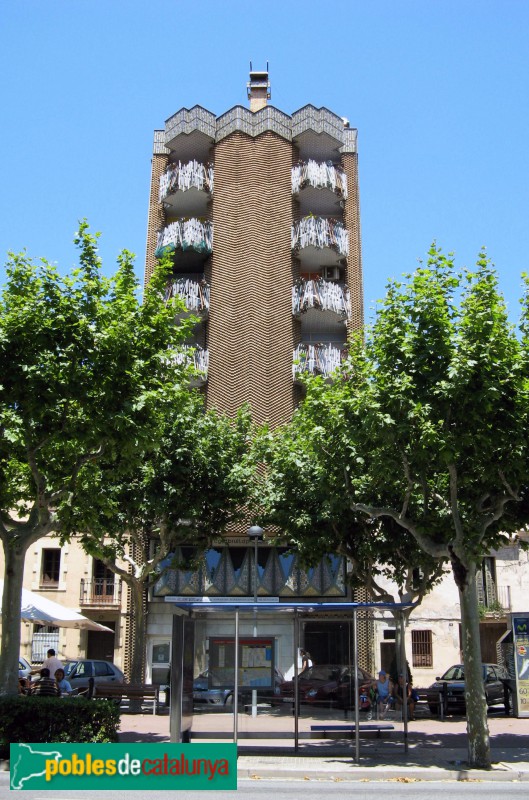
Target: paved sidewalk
x=437, y=750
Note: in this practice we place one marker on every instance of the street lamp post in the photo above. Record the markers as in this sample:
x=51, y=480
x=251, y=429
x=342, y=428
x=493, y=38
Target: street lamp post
x=255, y=534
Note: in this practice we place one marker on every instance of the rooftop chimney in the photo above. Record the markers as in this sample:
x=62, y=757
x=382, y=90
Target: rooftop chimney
x=258, y=89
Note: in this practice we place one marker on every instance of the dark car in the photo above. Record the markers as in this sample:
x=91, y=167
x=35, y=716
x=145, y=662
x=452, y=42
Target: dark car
x=330, y=684
x=452, y=688
x=79, y=672
x=207, y=690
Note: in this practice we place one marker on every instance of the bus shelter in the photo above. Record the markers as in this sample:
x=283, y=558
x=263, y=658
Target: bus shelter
x=236, y=647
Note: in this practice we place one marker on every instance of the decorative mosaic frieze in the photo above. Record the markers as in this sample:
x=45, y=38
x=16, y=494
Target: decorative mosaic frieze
x=188, y=120
x=350, y=140
x=269, y=118
x=320, y=175
x=322, y=295
x=159, y=148
x=241, y=119
x=319, y=120
x=229, y=571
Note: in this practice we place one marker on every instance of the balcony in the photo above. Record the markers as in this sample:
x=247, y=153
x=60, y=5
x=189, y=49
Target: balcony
x=319, y=175
x=196, y=357
x=321, y=295
x=191, y=241
x=319, y=359
x=186, y=188
x=100, y=592
x=195, y=294
x=319, y=241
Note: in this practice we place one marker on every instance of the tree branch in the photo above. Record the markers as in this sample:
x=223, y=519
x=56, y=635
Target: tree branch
x=434, y=549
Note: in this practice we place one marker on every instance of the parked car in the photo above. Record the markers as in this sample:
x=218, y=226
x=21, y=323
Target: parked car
x=78, y=673
x=24, y=667
x=223, y=696
x=452, y=686
x=330, y=684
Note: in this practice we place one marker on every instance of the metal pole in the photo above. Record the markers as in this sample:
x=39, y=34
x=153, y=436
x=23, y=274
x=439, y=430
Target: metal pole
x=236, y=679
x=296, y=696
x=254, y=691
x=357, y=698
x=406, y=681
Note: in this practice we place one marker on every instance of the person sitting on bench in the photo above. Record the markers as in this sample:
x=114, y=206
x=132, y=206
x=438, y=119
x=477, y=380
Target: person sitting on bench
x=398, y=695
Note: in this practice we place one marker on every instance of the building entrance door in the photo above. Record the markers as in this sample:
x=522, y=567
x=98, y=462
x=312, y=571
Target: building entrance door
x=100, y=644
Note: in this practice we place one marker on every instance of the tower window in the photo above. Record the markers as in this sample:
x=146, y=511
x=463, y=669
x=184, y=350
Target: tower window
x=51, y=566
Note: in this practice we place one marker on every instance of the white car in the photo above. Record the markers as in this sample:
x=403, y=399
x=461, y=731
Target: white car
x=79, y=672
x=24, y=667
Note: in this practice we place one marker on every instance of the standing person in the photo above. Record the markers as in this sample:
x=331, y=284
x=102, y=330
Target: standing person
x=63, y=685
x=51, y=662
x=306, y=660
x=46, y=686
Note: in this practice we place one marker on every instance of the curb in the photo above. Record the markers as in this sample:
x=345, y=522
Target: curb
x=374, y=775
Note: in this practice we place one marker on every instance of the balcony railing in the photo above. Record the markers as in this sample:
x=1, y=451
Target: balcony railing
x=197, y=357
x=323, y=295
x=100, y=592
x=181, y=177
x=185, y=234
x=320, y=175
x=320, y=232
x=195, y=294
x=320, y=359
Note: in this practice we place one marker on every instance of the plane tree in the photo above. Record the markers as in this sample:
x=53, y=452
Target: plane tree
x=427, y=422
x=184, y=494
x=86, y=370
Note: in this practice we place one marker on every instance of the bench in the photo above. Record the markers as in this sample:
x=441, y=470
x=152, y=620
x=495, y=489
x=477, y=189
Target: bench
x=145, y=692
x=375, y=726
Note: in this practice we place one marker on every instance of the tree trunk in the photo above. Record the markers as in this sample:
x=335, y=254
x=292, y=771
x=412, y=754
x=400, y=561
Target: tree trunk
x=137, y=655
x=477, y=728
x=15, y=554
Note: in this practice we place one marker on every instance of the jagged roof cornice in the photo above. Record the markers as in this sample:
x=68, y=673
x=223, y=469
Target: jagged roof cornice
x=269, y=118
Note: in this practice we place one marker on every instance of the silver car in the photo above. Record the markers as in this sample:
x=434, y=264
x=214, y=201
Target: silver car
x=79, y=672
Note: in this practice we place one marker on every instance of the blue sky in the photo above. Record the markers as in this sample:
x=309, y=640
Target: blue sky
x=437, y=90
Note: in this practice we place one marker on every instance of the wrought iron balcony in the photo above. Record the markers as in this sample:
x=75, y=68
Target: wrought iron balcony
x=195, y=294
x=320, y=233
x=182, y=177
x=322, y=295
x=100, y=592
x=320, y=359
x=320, y=175
x=185, y=234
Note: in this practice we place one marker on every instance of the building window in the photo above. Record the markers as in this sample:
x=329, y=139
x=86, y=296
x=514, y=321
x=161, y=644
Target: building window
x=421, y=648
x=44, y=638
x=51, y=566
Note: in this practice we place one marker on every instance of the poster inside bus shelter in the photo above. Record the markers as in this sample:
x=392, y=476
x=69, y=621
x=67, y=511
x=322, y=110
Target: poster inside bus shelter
x=520, y=630
x=256, y=662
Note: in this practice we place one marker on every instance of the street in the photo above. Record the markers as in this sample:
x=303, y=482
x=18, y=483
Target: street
x=284, y=790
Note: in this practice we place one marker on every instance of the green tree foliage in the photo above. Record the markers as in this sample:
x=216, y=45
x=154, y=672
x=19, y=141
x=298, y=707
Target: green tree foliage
x=185, y=492
x=86, y=373
x=426, y=427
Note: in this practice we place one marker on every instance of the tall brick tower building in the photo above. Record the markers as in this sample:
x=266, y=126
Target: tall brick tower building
x=260, y=212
